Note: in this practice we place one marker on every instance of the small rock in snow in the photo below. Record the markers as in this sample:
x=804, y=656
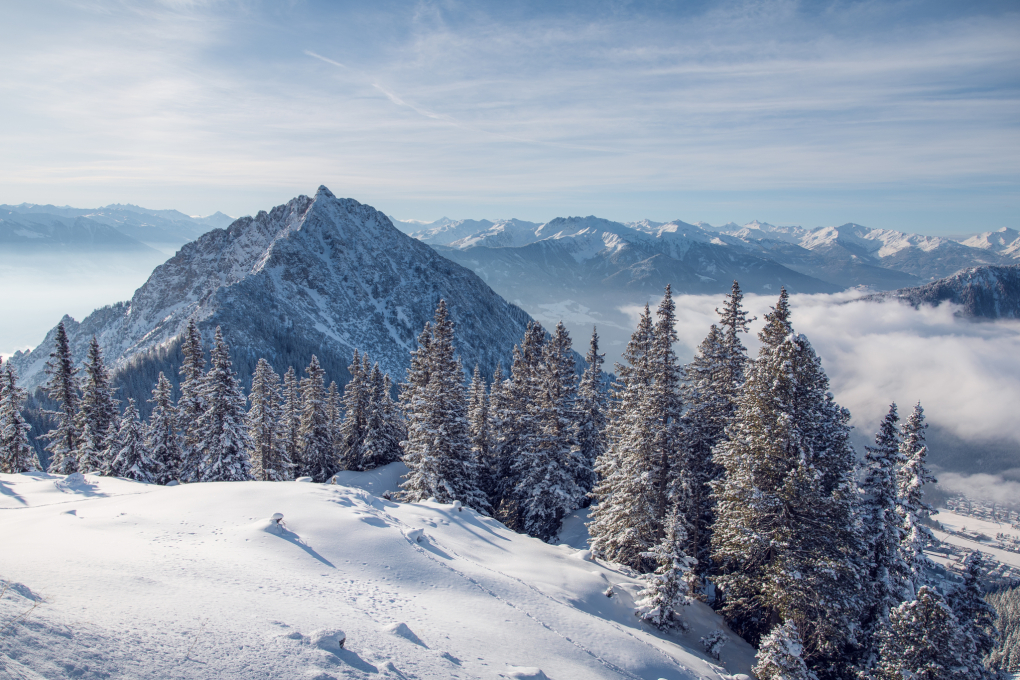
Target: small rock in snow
x=401, y=630
x=458, y=506
x=525, y=673
x=330, y=639
x=415, y=535
x=303, y=479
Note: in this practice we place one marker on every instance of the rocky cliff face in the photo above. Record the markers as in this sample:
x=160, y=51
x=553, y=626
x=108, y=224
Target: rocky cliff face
x=981, y=292
x=318, y=275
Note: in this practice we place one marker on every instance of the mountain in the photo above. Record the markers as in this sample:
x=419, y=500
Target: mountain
x=143, y=582
x=981, y=292
x=318, y=275
x=164, y=230
x=1005, y=242
x=46, y=233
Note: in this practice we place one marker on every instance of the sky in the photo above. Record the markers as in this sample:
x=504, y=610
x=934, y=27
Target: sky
x=901, y=115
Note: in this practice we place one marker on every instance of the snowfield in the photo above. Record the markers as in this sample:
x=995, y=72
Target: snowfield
x=104, y=577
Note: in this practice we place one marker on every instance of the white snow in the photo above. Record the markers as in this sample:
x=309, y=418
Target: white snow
x=113, y=578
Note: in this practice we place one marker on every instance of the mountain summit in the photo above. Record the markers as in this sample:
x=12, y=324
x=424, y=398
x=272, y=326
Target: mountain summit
x=321, y=275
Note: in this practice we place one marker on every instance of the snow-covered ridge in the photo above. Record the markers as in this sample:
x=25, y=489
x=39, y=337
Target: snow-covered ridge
x=131, y=580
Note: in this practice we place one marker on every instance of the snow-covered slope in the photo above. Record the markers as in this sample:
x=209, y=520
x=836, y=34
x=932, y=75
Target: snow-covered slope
x=1005, y=241
x=124, y=580
x=981, y=292
x=318, y=275
x=44, y=233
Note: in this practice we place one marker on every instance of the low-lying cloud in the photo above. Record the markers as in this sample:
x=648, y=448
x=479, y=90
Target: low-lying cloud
x=966, y=374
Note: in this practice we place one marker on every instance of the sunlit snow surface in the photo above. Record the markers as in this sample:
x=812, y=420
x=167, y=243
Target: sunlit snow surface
x=130, y=580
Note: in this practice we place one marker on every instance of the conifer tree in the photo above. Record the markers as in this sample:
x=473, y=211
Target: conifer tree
x=317, y=455
x=711, y=384
x=882, y=527
x=976, y=619
x=163, y=435
x=781, y=656
x=221, y=427
x=334, y=416
x=290, y=425
x=352, y=432
x=97, y=411
x=62, y=387
x=438, y=445
x=479, y=425
x=496, y=469
x=623, y=528
x=16, y=452
x=668, y=588
x=911, y=478
x=786, y=539
x=130, y=456
x=923, y=641
x=268, y=461
x=90, y=459
x=544, y=472
x=667, y=467
x=190, y=406
x=592, y=406
x=385, y=424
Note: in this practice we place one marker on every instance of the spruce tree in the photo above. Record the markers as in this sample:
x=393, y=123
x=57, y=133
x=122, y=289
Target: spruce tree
x=669, y=587
x=334, y=416
x=16, y=452
x=97, y=412
x=438, y=446
x=479, y=425
x=911, y=478
x=923, y=642
x=622, y=527
x=91, y=459
x=268, y=459
x=712, y=382
x=62, y=387
x=496, y=468
x=317, y=456
x=591, y=409
x=786, y=540
x=385, y=428
x=221, y=427
x=163, y=435
x=128, y=452
x=781, y=656
x=667, y=468
x=545, y=470
x=976, y=619
x=882, y=532
x=353, y=429
x=191, y=406
x=290, y=424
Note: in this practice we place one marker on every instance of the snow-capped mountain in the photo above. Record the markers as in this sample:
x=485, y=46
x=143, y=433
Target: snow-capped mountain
x=445, y=230
x=318, y=276
x=1005, y=241
x=981, y=292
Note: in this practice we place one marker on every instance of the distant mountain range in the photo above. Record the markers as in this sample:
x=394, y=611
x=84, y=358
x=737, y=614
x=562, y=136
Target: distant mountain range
x=32, y=228
x=318, y=275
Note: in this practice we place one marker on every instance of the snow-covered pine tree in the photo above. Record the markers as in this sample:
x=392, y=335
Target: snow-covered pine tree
x=911, y=478
x=385, y=424
x=781, y=655
x=882, y=533
x=591, y=409
x=438, y=445
x=786, y=539
x=89, y=458
x=351, y=435
x=923, y=641
x=290, y=424
x=97, y=410
x=976, y=619
x=479, y=428
x=711, y=384
x=496, y=468
x=222, y=434
x=623, y=528
x=544, y=473
x=190, y=406
x=163, y=435
x=130, y=456
x=264, y=422
x=334, y=415
x=16, y=452
x=669, y=586
x=317, y=455
x=62, y=387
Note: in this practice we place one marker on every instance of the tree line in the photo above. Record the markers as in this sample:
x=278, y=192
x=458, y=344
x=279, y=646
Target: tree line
x=730, y=479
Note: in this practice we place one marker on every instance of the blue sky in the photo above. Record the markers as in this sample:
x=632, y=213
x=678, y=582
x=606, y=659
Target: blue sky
x=901, y=115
